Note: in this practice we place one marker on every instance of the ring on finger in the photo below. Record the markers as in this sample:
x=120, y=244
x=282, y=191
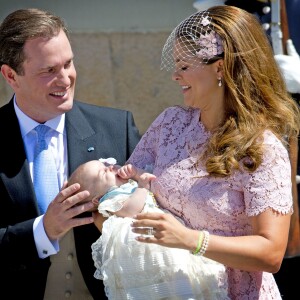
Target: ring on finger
x=151, y=231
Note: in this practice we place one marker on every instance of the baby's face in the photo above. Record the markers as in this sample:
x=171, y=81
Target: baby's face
x=102, y=177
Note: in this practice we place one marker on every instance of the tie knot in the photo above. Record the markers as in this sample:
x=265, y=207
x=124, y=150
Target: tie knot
x=42, y=131
x=41, y=141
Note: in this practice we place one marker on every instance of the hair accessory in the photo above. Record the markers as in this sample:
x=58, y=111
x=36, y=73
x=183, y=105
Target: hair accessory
x=220, y=82
x=109, y=160
x=192, y=42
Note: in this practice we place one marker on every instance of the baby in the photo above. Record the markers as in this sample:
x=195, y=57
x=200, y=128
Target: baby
x=122, y=191
x=133, y=270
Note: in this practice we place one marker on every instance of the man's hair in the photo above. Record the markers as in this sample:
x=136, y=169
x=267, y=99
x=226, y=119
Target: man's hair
x=22, y=25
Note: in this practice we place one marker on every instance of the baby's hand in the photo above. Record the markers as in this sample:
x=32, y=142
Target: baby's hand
x=127, y=171
x=144, y=180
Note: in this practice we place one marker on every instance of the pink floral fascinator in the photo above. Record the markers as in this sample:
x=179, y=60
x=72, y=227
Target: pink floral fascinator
x=193, y=41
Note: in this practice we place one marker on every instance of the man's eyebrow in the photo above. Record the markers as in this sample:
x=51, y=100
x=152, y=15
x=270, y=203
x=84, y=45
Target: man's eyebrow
x=46, y=67
x=54, y=66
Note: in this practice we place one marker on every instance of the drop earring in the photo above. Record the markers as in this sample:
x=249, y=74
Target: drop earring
x=220, y=82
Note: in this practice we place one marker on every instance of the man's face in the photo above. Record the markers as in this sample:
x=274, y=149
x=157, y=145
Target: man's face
x=46, y=88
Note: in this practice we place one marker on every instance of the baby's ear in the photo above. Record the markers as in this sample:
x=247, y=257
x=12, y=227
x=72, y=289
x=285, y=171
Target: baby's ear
x=95, y=200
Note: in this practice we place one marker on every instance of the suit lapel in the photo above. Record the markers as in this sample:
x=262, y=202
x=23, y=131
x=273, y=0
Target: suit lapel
x=81, y=139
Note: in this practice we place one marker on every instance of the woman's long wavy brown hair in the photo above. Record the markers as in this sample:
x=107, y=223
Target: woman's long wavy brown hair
x=256, y=98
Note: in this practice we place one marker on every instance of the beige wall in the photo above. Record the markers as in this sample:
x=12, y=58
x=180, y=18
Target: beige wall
x=118, y=65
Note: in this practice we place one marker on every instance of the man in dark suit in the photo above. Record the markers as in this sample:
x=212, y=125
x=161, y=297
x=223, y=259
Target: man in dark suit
x=48, y=255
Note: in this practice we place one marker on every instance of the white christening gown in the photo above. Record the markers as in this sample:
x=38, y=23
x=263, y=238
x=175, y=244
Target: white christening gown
x=136, y=271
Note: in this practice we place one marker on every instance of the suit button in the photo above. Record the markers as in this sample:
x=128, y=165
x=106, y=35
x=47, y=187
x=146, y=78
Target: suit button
x=67, y=294
x=70, y=256
x=68, y=275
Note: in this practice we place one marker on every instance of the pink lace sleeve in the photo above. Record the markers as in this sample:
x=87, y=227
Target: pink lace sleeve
x=270, y=185
x=145, y=152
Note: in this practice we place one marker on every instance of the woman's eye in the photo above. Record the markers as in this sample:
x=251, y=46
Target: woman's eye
x=184, y=68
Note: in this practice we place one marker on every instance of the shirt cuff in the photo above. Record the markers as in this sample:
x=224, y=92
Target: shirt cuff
x=44, y=246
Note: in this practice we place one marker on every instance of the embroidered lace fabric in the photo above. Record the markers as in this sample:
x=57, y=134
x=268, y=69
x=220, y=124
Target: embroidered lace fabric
x=134, y=270
x=220, y=205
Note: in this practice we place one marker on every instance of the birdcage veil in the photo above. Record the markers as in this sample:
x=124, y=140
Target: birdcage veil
x=193, y=40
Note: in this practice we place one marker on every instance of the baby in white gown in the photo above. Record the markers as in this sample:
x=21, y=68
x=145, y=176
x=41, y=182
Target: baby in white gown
x=133, y=270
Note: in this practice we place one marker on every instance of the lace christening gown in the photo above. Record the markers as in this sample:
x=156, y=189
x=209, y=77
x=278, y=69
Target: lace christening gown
x=135, y=271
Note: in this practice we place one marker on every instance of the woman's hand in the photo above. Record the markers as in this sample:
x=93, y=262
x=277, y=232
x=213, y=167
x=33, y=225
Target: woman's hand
x=166, y=230
x=145, y=179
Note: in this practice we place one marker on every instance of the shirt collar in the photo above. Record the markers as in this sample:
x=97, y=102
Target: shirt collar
x=27, y=124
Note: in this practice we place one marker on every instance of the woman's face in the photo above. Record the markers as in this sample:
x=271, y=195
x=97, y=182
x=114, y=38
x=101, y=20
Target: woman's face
x=198, y=81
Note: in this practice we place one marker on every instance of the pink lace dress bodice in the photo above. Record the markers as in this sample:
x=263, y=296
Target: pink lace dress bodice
x=222, y=206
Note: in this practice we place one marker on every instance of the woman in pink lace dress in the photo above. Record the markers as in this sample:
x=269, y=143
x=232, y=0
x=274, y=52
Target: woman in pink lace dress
x=221, y=161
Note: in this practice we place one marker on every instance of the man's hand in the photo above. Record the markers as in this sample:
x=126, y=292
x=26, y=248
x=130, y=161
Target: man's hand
x=61, y=214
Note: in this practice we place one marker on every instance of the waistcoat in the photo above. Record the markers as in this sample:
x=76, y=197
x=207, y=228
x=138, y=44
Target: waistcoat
x=64, y=279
